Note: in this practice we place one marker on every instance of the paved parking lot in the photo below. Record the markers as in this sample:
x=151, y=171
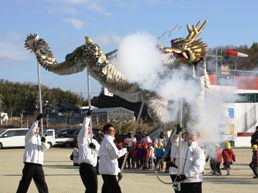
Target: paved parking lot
x=62, y=177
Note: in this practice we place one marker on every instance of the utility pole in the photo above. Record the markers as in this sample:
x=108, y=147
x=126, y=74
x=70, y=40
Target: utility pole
x=47, y=119
x=21, y=114
x=1, y=106
x=1, y=103
x=28, y=120
x=97, y=120
x=37, y=102
x=11, y=115
x=81, y=103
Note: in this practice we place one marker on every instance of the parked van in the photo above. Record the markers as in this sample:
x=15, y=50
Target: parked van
x=14, y=137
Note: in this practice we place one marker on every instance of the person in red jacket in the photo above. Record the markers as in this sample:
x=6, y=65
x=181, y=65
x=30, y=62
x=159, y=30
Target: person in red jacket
x=254, y=163
x=215, y=156
x=218, y=160
x=133, y=153
x=145, y=156
x=228, y=156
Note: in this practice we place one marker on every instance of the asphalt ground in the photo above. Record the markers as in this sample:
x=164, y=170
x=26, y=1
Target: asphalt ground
x=63, y=177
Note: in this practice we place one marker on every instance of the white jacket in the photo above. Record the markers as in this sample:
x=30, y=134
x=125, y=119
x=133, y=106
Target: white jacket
x=34, y=148
x=146, y=139
x=128, y=141
x=86, y=154
x=192, y=160
x=157, y=140
x=108, y=154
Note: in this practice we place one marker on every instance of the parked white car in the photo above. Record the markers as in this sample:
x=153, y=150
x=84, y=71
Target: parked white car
x=13, y=137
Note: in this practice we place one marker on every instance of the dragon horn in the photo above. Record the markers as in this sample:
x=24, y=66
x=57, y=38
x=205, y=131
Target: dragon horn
x=88, y=39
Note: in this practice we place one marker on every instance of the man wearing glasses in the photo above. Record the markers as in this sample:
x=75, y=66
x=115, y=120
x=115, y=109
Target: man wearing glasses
x=192, y=162
x=108, y=164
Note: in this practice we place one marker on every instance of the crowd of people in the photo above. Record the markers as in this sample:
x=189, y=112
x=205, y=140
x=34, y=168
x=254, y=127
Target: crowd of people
x=216, y=156
x=100, y=155
x=142, y=154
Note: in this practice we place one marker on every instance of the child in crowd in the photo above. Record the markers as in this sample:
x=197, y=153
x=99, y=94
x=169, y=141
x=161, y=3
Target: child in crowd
x=214, y=154
x=254, y=163
x=139, y=155
x=120, y=159
x=210, y=155
x=133, y=153
x=128, y=160
x=152, y=156
x=217, y=160
x=228, y=156
x=145, y=156
x=159, y=154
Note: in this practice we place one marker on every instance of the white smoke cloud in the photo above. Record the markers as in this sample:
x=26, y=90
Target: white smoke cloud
x=141, y=62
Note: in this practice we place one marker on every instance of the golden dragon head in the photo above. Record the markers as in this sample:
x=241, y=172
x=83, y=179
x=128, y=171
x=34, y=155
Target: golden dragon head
x=30, y=40
x=188, y=50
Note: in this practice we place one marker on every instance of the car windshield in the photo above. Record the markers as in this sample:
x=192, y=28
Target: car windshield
x=61, y=132
x=2, y=131
x=76, y=132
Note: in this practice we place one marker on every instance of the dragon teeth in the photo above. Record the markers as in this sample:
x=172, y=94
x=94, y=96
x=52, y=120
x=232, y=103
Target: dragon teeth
x=185, y=55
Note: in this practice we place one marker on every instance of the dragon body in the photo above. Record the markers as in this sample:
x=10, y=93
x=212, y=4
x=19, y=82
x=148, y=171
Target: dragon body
x=183, y=50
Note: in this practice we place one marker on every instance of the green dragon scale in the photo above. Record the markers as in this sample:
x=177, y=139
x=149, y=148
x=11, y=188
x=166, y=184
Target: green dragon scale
x=185, y=50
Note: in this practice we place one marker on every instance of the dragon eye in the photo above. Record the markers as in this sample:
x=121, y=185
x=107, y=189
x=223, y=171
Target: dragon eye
x=181, y=46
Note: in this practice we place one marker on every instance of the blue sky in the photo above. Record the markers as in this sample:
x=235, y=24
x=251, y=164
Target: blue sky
x=64, y=23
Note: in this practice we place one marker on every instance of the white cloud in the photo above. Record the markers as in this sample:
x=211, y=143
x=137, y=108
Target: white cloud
x=69, y=10
x=11, y=48
x=76, y=23
x=97, y=6
x=111, y=38
x=61, y=9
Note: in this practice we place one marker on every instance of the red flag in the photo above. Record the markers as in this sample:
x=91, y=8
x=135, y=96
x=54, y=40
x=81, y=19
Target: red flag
x=236, y=53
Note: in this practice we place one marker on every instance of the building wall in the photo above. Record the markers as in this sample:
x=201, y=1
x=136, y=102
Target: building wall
x=239, y=123
x=240, y=119
x=120, y=113
x=99, y=117
x=49, y=110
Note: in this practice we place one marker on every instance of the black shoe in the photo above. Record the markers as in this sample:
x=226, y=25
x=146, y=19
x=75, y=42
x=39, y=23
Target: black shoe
x=255, y=177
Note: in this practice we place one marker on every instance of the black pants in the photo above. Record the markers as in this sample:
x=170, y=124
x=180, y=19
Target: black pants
x=97, y=166
x=36, y=172
x=212, y=166
x=227, y=165
x=89, y=178
x=195, y=187
x=145, y=163
x=217, y=167
x=110, y=184
x=254, y=168
x=120, y=162
x=128, y=162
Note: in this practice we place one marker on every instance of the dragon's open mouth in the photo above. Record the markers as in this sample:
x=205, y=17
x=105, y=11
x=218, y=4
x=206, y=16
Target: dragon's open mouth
x=182, y=55
x=176, y=55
